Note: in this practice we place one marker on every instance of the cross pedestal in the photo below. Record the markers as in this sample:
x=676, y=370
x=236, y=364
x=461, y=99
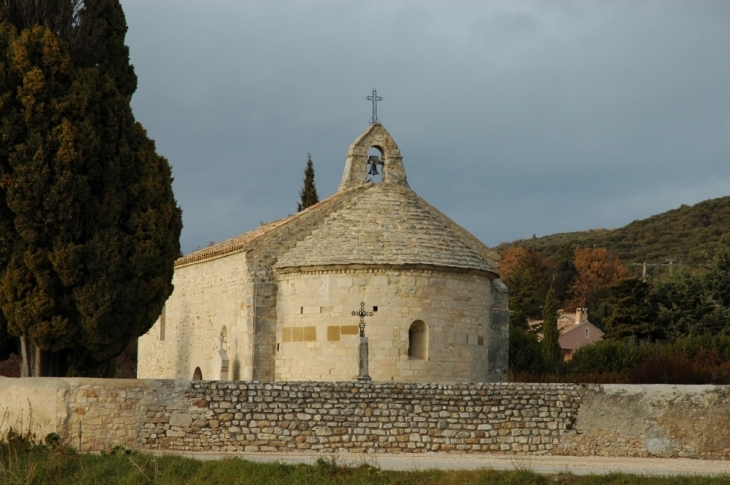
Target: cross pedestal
x=363, y=360
x=362, y=363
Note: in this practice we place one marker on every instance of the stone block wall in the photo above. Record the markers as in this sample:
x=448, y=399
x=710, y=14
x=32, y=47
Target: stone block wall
x=455, y=308
x=207, y=297
x=229, y=417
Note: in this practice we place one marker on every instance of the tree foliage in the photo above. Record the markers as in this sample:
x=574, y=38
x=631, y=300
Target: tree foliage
x=549, y=345
x=524, y=351
x=694, y=303
x=90, y=227
x=632, y=315
x=308, y=195
x=594, y=268
x=527, y=275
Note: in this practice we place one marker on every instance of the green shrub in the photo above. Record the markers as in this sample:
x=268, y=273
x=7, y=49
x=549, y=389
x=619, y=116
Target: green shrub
x=524, y=351
x=604, y=356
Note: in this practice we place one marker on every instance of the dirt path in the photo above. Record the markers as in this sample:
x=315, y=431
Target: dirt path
x=593, y=465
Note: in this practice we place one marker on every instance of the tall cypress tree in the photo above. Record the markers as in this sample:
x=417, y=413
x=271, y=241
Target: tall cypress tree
x=308, y=195
x=549, y=344
x=90, y=227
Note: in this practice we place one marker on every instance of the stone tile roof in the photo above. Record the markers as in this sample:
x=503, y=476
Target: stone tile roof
x=244, y=240
x=387, y=224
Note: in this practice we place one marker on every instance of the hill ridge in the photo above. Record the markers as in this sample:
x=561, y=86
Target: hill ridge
x=688, y=233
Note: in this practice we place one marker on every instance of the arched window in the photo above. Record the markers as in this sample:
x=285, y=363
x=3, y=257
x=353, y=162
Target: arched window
x=197, y=374
x=418, y=340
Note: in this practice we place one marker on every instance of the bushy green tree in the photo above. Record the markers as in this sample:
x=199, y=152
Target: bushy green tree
x=696, y=303
x=308, y=196
x=549, y=345
x=90, y=227
x=528, y=276
x=565, y=272
x=524, y=351
x=632, y=315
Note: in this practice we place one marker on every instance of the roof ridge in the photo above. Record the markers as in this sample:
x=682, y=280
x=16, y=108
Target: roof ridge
x=238, y=243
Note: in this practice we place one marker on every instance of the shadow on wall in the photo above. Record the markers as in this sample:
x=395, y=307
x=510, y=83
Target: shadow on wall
x=236, y=364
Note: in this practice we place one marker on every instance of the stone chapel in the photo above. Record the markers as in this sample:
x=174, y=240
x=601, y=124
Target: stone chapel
x=276, y=303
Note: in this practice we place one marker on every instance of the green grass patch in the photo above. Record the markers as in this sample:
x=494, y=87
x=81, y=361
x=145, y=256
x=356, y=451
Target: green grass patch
x=22, y=462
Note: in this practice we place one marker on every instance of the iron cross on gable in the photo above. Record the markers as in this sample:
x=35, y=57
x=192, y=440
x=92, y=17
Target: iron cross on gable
x=362, y=314
x=375, y=98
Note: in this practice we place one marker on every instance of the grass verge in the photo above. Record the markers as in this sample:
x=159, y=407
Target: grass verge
x=22, y=462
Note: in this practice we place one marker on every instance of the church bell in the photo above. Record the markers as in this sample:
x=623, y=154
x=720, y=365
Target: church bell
x=373, y=161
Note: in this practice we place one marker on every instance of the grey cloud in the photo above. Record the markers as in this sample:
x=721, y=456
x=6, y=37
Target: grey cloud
x=513, y=117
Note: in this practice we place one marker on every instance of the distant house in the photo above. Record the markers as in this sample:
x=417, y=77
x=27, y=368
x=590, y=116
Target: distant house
x=581, y=333
x=575, y=331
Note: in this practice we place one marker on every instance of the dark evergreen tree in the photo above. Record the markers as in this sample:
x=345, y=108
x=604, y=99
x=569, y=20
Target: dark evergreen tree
x=524, y=351
x=565, y=273
x=696, y=303
x=632, y=315
x=90, y=227
x=308, y=195
x=549, y=345
x=527, y=275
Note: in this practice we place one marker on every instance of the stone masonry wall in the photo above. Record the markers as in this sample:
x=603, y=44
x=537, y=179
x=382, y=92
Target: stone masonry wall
x=455, y=308
x=207, y=298
x=231, y=417
x=234, y=416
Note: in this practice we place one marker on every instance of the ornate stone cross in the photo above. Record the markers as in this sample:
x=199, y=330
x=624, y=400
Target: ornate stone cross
x=375, y=98
x=363, y=347
x=362, y=314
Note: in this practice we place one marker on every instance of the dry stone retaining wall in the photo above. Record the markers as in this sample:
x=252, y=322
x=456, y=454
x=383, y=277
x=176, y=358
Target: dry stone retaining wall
x=226, y=417
x=358, y=417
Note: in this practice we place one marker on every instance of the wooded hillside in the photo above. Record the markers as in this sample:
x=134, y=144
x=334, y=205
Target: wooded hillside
x=687, y=233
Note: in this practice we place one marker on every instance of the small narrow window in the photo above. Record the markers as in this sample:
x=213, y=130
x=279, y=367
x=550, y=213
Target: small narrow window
x=162, y=322
x=375, y=309
x=587, y=332
x=197, y=374
x=418, y=340
x=301, y=310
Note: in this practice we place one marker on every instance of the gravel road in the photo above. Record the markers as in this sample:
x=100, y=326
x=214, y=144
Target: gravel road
x=578, y=465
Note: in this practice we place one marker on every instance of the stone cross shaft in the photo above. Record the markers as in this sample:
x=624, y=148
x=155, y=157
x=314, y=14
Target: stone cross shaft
x=375, y=98
x=363, y=347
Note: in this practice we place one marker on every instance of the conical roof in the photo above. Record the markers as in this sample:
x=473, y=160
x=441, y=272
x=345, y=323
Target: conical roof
x=387, y=224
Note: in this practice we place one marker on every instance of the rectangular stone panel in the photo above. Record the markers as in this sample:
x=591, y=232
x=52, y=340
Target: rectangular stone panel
x=333, y=333
x=309, y=334
x=287, y=334
x=349, y=330
x=296, y=334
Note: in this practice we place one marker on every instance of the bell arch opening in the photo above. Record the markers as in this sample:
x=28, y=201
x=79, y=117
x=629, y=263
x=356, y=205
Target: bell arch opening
x=418, y=341
x=374, y=166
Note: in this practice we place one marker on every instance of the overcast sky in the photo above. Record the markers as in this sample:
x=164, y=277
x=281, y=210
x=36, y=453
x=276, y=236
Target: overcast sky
x=514, y=118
